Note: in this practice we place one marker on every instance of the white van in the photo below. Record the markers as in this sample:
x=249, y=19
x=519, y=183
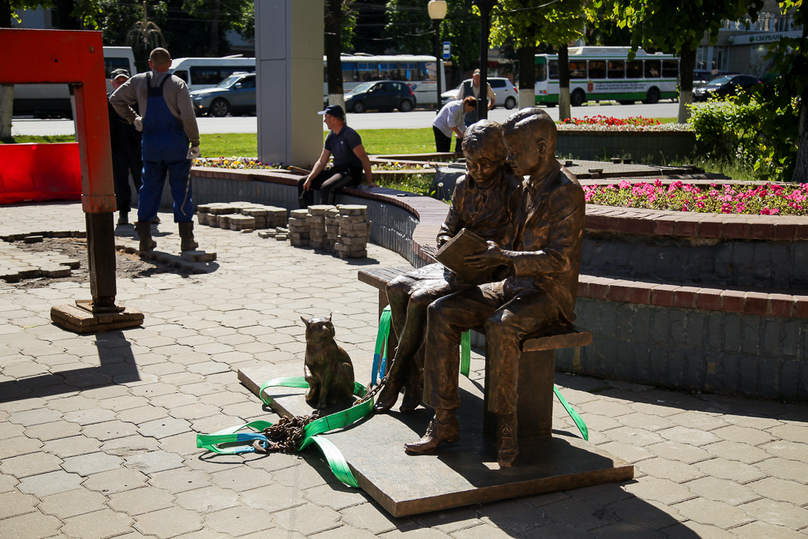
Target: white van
x=201, y=73
x=53, y=100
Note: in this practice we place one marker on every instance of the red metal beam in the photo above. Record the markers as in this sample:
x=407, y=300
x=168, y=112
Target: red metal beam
x=77, y=58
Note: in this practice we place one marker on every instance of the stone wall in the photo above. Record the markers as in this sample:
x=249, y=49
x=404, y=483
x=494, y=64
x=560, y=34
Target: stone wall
x=641, y=146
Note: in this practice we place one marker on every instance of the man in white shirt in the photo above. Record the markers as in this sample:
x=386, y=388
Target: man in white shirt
x=450, y=120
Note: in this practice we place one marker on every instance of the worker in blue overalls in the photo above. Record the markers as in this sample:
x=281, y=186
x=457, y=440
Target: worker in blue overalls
x=170, y=144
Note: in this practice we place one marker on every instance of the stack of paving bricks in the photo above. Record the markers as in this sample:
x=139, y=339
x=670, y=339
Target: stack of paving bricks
x=241, y=215
x=354, y=231
x=332, y=228
x=299, y=228
x=318, y=237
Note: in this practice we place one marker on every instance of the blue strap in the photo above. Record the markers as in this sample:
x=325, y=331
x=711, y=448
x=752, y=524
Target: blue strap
x=380, y=353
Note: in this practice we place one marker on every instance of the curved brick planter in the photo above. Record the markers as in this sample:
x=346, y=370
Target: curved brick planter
x=692, y=301
x=695, y=301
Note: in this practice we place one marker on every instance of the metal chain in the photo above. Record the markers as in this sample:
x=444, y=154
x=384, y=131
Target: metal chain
x=285, y=435
x=372, y=393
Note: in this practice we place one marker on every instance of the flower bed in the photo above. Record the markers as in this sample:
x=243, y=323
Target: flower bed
x=764, y=199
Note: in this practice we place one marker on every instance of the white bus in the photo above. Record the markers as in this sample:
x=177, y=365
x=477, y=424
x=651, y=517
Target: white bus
x=54, y=100
x=419, y=72
x=605, y=74
x=201, y=73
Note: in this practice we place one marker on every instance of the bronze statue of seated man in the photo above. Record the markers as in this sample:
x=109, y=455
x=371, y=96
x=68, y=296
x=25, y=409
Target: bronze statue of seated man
x=540, y=289
x=485, y=202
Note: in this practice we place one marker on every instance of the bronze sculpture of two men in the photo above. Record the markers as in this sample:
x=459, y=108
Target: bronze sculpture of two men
x=534, y=228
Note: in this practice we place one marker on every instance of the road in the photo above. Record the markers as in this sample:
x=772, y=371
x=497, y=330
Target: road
x=381, y=120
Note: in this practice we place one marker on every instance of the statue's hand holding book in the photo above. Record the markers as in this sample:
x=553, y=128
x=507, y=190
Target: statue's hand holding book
x=471, y=258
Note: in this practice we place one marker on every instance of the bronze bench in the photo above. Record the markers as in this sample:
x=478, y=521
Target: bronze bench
x=536, y=365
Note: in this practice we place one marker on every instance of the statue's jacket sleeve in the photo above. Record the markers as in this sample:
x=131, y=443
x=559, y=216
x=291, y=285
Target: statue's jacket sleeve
x=547, y=254
x=490, y=213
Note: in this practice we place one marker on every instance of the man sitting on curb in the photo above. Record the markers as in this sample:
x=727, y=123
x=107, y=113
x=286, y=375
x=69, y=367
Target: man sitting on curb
x=350, y=158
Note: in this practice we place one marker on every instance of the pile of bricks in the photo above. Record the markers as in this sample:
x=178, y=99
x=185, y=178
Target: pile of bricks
x=240, y=215
x=318, y=236
x=299, y=228
x=354, y=231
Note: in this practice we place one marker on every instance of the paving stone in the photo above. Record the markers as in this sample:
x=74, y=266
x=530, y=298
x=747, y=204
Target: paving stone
x=18, y=445
x=783, y=468
x=179, y=480
x=273, y=498
x=691, y=530
x=757, y=530
x=13, y=504
x=30, y=525
x=782, y=490
x=664, y=491
x=681, y=452
x=239, y=520
x=728, y=469
x=141, y=500
x=486, y=531
x=309, y=519
x=113, y=481
x=713, y=513
x=98, y=525
x=29, y=418
x=208, y=499
x=793, y=431
x=242, y=478
x=154, y=461
x=169, y=522
x=516, y=517
x=737, y=451
x=74, y=445
x=722, y=490
x=109, y=430
x=688, y=436
x=778, y=513
x=33, y=464
x=734, y=433
x=72, y=503
x=92, y=463
x=162, y=428
x=678, y=472
x=336, y=497
x=53, y=431
x=88, y=417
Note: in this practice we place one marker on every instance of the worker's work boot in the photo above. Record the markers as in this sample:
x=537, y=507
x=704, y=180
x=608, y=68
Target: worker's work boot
x=144, y=234
x=187, y=236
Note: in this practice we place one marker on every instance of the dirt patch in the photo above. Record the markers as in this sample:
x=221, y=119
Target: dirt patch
x=127, y=265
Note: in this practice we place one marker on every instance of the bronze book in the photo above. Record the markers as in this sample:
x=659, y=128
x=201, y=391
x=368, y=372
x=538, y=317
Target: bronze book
x=463, y=244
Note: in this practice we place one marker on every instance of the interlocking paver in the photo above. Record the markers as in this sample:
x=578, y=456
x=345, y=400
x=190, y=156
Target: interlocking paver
x=33, y=464
x=72, y=503
x=734, y=464
x=168, y=522
x=14, y=503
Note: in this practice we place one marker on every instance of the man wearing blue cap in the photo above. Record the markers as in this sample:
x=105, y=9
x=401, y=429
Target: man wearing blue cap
x=350, y=159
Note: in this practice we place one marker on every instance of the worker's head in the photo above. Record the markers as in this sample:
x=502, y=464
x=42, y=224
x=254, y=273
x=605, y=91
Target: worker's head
x=530, y=137
x=333, y=117
x=476, y=77
x=469, y=104
x=484, y=150
x=119, y=76
x=159, y=59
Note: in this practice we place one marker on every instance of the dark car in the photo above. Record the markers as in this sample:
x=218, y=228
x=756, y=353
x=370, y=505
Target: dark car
x=724, y=86
x=380, y=95
x=235, y=94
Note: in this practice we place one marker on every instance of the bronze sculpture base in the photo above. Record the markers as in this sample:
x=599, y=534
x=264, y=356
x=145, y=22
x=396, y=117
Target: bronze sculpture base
x=462, y=473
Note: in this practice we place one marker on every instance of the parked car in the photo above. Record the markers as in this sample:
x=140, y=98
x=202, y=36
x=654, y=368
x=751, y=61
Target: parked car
x=506, y=92
x=235, y=94
x=724, y=86
x=384, y=95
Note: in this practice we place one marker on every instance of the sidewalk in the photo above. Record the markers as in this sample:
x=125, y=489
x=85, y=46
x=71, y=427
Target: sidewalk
x=97, y=432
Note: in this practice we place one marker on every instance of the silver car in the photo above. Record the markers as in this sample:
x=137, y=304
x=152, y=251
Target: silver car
x=506, y=92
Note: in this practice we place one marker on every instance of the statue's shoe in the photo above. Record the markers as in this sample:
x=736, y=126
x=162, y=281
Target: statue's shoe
x=439, y=430
x=413, y=394
x=507, y=445
x=387, y=398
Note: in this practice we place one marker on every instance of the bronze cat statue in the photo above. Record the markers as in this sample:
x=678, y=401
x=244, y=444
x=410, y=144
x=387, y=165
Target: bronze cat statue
x=327, y=368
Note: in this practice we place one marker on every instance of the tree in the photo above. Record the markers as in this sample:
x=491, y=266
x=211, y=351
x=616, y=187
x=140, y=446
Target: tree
x=531, y=23
x=676, y=27
x=335, y=11
x=788, y=91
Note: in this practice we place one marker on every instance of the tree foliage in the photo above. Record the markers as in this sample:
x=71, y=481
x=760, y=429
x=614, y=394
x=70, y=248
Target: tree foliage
x=675, y=27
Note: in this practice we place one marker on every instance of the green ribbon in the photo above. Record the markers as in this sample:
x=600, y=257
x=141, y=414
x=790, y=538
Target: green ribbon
x=232, y=442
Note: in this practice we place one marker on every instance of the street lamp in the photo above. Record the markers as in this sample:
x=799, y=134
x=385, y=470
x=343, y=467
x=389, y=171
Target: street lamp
x=437, y=11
